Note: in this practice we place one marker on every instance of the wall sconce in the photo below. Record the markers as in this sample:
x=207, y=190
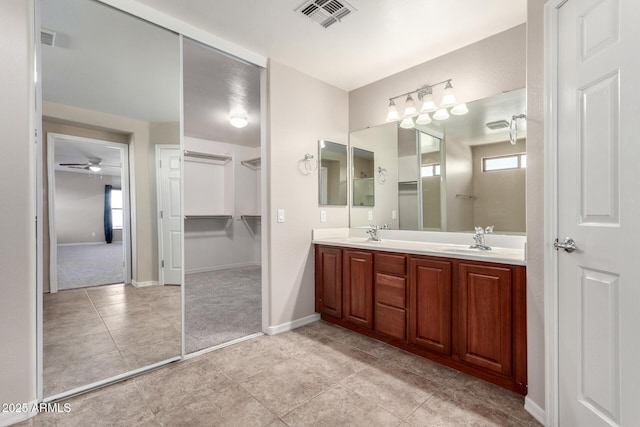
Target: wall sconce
x=427, y=105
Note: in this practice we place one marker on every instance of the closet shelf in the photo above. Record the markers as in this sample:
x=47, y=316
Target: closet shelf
x=252, y=163
x=227, y=217
x=254, y=217
x=215, y=158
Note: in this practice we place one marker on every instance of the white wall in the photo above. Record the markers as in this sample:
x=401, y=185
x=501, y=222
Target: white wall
x=301, y=111
x=79, y=202
x=17, y=190
x=213, y=244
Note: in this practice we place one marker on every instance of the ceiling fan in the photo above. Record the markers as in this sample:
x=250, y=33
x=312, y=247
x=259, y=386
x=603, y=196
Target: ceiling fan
x=93, y=165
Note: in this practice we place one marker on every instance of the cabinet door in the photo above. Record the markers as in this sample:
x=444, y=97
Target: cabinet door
x=329, y=281
x=430, y=304
x=485, y=316
x=358, y=287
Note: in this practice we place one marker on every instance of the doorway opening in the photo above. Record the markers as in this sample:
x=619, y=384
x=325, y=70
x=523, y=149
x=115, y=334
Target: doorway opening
x=89, y=215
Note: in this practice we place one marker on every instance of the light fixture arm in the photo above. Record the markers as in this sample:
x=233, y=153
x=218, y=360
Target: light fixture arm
x=421, y=90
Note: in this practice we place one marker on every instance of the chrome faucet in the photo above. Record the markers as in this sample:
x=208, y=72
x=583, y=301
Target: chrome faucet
x=479, y=238
x=373, y=232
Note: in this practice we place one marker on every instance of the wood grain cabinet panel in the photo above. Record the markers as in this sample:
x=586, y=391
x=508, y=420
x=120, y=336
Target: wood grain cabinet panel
x=430, y=304
x=358, y=287
x=329, y=281
x=485, y=328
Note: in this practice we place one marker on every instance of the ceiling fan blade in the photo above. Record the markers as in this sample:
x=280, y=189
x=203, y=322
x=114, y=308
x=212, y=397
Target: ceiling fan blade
x=74, y=164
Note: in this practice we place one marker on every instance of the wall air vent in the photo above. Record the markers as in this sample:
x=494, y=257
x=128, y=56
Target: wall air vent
x=326, y=12
x=500, y=124
x=47, y=37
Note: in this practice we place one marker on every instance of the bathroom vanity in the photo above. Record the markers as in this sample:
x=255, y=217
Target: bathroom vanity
x=460, y=307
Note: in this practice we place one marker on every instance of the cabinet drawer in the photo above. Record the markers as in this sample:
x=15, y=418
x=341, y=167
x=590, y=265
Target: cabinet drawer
x=391, y=264
x=390, y=321
x=391, y=290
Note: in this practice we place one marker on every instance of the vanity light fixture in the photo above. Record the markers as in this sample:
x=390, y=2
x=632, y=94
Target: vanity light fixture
x=392, y=114
x=409, y=107
x=441, y=114
x=407, y=123
x=428, y=105
x=238, y=121
x=459, y=109
x=423, y=119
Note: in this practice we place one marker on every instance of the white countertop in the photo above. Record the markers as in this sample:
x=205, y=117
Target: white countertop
x=503, y=255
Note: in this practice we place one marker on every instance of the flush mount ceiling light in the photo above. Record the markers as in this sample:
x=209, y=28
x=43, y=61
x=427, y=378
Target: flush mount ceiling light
x=428, y=105
x=95, y=168
x=238, y=120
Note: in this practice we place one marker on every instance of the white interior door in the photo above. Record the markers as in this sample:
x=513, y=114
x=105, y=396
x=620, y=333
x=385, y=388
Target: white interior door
x=169, y=217
x=599, y=208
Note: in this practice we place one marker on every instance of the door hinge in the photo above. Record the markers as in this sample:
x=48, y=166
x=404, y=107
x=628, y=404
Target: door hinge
x=161, y=215
x=162, y=263
x=160, y=164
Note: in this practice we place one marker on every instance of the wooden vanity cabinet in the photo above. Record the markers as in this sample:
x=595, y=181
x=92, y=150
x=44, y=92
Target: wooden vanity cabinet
x=469, y=315
x=357, y=282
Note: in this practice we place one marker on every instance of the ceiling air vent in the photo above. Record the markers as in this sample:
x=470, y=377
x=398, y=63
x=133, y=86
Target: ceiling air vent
x=47, y=37
x=500, y=124
x=326, y=12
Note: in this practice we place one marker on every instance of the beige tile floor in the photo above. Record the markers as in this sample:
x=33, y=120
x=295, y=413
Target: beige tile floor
x=319, y=375
x=91, y=334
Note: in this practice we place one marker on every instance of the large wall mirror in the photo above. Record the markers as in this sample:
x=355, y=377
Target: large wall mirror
x=454, y=174
x=333, y=173
x=111, y=108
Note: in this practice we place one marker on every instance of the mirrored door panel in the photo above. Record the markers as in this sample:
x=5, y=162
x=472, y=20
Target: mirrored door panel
x=110, y=91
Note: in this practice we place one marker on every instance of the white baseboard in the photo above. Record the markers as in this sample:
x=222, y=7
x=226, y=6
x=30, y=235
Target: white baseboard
x=11, y=418
x=145, y=284
x=536, y=411
x=221, y=267
x=278, y=329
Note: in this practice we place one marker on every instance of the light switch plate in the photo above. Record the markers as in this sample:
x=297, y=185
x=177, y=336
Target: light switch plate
x=394, y=214
x=323, y=216
x=370, y=215
x=280, y=215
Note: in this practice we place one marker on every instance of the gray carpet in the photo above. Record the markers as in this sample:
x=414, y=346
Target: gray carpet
x=81, y=266
x=221, y=306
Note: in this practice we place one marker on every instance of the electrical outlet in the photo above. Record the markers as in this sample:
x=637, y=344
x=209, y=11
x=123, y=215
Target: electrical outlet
x=370, y=215
x=323, y=216
x=394, y=214
x=280, y=215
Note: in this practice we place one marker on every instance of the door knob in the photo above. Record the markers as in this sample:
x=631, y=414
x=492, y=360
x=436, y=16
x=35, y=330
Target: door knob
x=568, y=245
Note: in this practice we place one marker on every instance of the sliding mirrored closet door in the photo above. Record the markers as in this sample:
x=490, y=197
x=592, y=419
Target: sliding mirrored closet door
x=222, y=187
x=112, y=275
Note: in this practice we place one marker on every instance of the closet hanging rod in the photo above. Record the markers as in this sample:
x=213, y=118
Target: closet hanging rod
x=208, y=156
x=254, y=163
